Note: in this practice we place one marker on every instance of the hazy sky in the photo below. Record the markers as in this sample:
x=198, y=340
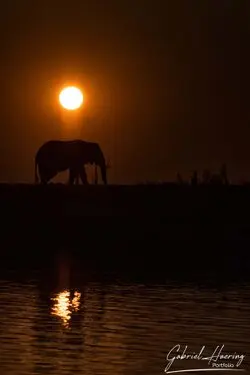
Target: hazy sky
x=167, y=83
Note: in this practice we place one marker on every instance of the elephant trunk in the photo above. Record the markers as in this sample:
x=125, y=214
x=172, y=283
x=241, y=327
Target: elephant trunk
x=99, y=159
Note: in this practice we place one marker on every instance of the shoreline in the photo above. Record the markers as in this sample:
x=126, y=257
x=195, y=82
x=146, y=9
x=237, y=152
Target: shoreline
x=229, y=203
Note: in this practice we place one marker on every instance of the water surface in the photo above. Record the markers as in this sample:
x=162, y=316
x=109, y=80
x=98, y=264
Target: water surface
x=53, y=326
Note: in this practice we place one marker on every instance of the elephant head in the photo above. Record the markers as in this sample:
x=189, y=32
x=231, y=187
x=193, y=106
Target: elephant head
x=94, y=155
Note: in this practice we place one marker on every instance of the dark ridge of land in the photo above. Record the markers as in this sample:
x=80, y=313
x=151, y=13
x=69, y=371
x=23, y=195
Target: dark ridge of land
x=166, y=200
x=158, y=229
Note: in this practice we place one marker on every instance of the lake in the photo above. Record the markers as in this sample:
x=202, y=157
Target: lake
x=58, y=320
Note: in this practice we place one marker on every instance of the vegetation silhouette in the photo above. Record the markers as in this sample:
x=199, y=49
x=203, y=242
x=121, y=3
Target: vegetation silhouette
x=207, y=178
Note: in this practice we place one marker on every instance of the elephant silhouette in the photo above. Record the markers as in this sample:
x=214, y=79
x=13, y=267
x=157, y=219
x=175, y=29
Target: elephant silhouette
x=56, y=156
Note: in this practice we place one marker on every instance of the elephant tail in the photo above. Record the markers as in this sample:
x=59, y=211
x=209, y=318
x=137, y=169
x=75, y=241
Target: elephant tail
x=36, y=175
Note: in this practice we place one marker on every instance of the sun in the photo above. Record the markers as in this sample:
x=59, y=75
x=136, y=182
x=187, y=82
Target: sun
x=71, y=98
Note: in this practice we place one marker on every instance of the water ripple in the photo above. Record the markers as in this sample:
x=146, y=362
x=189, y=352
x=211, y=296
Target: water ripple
x=104, y=329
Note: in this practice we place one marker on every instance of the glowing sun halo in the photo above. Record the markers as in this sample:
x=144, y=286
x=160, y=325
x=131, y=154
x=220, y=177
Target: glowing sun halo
x=71, y=98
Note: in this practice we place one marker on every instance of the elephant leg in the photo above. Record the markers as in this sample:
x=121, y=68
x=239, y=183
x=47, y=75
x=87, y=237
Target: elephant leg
x=46, y=175
x=72, y=176
x=44, y=180
x=83, y=176
x=75, y=174
x=96, y=174
x=77, y=179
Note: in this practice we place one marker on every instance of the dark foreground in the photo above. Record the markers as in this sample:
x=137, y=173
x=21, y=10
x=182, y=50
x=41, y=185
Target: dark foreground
x=107, y=280
x=168, y=200
x=157, y=231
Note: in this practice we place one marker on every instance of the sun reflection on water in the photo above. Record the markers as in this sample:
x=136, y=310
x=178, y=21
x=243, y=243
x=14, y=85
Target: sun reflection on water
x=76, y=301
x=63, y=305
